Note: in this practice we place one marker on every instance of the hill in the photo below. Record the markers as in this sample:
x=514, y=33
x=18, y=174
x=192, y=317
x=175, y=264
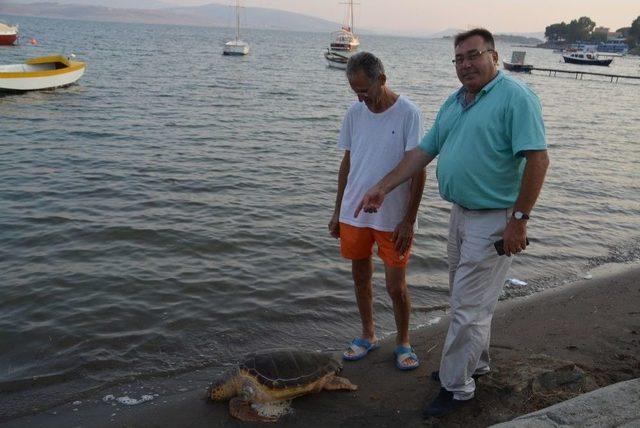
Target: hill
x=212, y=15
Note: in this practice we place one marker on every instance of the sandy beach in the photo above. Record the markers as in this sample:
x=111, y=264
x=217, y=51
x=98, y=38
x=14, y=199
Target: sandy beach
x=546, y=348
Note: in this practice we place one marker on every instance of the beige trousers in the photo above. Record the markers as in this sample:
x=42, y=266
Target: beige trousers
x=476, y=277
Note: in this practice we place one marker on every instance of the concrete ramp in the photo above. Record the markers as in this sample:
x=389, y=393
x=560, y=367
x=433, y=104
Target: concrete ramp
x=616, y=405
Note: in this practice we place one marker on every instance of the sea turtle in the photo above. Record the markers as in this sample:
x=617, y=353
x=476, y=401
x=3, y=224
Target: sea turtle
x=274, y=377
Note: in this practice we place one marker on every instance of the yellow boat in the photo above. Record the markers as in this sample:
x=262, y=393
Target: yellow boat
x=41, y=73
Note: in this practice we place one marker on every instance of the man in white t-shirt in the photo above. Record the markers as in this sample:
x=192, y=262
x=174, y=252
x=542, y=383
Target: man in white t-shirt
x=376, y=132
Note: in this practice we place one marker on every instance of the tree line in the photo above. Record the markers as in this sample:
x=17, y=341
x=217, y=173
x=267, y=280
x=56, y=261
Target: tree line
x=581, y=30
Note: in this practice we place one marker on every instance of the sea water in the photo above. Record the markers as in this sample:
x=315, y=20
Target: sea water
x=169, y=212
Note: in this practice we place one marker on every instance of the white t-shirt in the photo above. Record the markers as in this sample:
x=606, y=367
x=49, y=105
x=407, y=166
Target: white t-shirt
x=378, y=142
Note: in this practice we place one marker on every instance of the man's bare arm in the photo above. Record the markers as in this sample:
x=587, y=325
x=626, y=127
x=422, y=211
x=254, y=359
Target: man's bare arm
x=343, y=175
x=515, y=234
x=403, y=233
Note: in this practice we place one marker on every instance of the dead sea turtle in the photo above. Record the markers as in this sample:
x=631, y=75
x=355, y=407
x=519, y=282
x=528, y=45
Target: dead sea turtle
x=274, y=377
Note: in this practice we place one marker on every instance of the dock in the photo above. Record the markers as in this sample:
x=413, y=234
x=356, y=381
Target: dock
x=579, y=74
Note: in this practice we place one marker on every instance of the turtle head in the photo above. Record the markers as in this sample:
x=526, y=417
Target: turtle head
x=224, y=387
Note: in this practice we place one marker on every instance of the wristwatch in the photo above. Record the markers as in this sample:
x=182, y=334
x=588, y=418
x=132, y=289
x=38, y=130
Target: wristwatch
x=519, y=215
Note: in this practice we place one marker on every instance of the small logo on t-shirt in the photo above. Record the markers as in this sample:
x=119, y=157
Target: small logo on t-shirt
x=393, y=132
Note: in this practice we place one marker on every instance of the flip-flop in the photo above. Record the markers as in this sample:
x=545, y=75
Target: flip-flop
x=360, y=348
x=403, y=353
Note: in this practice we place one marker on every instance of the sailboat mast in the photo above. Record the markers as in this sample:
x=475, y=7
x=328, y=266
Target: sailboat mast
x=237, y=19
x=351, y=13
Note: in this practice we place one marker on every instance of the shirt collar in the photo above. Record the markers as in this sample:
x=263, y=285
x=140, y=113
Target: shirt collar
x=462, y=92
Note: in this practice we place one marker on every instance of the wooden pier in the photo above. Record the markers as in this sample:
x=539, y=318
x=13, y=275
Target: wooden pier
x=580, y=74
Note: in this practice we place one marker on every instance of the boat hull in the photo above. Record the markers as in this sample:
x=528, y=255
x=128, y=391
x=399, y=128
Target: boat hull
x=236, y=52
x=12, y=79
x=345, y=47
x=337, y=65
x=601, y=62
x=231, y=48
x=336, y=60
x=8, y=39
x=518, y=68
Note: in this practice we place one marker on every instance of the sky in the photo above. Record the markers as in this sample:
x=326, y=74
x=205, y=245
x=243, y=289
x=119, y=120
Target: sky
x=427, y=16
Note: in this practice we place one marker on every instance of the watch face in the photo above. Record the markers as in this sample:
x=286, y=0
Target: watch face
x=519, y=215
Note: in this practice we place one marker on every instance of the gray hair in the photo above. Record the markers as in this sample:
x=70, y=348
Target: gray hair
x=368, y=63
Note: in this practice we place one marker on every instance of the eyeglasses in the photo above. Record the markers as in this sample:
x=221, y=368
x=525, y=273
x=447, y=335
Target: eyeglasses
x=470, y=56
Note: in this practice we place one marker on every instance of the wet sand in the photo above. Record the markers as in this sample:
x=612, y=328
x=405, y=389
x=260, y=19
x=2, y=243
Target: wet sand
x=546, y=348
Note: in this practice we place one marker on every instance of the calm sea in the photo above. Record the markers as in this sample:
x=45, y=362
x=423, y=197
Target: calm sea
x=170, y=211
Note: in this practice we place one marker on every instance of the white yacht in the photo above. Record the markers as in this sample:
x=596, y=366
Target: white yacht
x=236, y=46
x=344, y=43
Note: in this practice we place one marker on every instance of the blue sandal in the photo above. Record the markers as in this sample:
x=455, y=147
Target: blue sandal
x=404, y=353
x=360, y=348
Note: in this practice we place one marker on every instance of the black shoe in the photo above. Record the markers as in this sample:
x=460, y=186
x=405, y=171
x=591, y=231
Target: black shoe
x=443, y=405
x=436, y=375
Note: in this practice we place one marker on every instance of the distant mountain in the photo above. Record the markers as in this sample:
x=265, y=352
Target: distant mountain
x=211, y=15
x=449, y=32
x=119, y=4
x=256, y=17
x=535, y=37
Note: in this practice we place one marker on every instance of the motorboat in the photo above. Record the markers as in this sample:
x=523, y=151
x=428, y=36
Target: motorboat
x=236, y=46
x=344, y=43
x=8, y=34
x=585, y=58
x=41, y=73
x=517, y=63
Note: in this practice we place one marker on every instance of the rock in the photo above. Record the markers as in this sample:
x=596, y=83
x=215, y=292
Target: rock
x=540, y=375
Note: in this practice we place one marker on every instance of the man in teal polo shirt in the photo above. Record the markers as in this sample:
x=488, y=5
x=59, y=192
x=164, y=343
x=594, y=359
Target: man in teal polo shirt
x=490, y=142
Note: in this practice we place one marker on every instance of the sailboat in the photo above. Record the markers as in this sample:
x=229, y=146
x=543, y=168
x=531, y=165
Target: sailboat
x=344, y=43
x=236, y=46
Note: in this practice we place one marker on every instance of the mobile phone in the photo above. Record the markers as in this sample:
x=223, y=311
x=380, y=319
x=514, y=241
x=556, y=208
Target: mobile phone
x=500, y=246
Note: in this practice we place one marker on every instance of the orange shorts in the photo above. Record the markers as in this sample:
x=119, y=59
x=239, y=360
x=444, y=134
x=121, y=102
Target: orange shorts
x=356, y=243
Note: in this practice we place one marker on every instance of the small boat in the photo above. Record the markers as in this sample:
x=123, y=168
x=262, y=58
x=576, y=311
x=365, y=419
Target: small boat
x=41, y=73
x=344, y=43
x=586, y=58
x=236, y=46
x=336, y=60
x=8, y=34
x=517, y=63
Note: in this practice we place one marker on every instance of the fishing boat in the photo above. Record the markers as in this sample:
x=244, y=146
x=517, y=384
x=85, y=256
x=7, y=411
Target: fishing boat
x=344, y=43
x=41, y=73
x=236, y=46
x=585, y=58
x=517, y=63
x=8, y=34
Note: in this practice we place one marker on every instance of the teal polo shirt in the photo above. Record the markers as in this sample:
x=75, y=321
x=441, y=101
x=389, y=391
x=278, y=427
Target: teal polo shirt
x=480, y=146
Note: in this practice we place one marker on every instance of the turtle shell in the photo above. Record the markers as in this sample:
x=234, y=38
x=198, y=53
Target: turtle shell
x=284, y=368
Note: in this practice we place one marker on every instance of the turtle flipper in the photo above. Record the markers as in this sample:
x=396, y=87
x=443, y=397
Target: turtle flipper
x=242, y=409
x=337, y=382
